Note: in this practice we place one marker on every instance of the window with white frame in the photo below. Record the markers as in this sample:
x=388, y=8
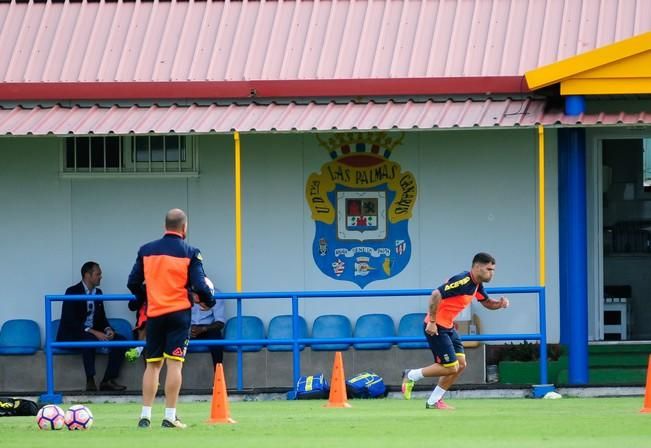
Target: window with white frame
x=140, y=154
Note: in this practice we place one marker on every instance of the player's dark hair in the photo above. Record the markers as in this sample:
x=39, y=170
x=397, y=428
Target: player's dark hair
x=88, y=267
x=483, y=258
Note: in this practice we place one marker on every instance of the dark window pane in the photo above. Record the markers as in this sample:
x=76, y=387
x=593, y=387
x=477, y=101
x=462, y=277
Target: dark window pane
x=142, y=148
x=172, y=148
x=97, y=151
x=157, y=142
x=103, y=151
x=113, y=152
x=163, y=148
x=82, y=152
x=70, y=152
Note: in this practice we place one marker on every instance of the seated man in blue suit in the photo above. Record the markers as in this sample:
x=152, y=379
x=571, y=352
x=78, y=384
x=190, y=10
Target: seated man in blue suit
x=86, y=321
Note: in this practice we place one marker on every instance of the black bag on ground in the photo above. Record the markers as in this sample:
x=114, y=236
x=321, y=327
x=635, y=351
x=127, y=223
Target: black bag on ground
x=17, y=407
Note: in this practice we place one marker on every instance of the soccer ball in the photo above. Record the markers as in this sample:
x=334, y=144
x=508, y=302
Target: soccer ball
x=78, y=417
x=50, y=417
x=209, y=283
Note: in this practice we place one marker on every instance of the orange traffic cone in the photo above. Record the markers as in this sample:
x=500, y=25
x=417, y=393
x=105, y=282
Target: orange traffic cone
x=338, y=397
x=219, y=406
x=647, y=393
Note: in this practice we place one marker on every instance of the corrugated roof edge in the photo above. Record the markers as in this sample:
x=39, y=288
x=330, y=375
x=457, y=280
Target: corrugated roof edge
x=312, y=88
x=107, y=104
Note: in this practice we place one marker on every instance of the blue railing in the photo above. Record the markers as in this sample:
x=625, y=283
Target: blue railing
x=295, y=342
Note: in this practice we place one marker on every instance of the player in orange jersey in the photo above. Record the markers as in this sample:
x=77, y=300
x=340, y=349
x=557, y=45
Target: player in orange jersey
x=445, y=304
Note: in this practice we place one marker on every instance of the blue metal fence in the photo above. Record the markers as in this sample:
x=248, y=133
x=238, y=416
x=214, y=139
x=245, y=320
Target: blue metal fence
x=51, y=397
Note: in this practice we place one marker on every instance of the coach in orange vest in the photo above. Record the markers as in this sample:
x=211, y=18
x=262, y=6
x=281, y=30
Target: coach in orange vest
x=172, y=270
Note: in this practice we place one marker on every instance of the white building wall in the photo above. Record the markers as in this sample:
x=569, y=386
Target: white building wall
x=477, y=191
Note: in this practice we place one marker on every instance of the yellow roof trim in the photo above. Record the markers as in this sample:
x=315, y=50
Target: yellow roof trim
x=629, y=86
x=607, y=62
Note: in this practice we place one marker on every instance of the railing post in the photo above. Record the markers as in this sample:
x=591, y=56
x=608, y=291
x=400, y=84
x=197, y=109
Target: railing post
x=543, y=336
x=240, y=356
x=539, y=390
x=296, y=355
x=49, y=396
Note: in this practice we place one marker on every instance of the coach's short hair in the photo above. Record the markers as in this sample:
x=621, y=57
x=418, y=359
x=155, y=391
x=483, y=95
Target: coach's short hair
x=483, y=258
x=88, y=267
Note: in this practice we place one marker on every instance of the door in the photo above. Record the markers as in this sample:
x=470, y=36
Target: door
x=620, y=307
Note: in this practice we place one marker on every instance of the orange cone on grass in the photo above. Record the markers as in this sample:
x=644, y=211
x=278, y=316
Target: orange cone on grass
x=647, y=392
x=338, y=397
x=219, y=406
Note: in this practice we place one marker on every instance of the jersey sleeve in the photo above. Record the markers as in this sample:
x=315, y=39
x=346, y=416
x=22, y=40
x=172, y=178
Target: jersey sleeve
x=481, y=295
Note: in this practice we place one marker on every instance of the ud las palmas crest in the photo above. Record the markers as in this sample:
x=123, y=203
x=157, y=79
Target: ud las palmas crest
x=361, y=203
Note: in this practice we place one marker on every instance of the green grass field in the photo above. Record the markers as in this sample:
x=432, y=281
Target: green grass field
x=485, y=423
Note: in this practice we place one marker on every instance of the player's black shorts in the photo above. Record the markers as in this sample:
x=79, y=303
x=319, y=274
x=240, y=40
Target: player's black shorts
x=445, y=346
x=167, y=336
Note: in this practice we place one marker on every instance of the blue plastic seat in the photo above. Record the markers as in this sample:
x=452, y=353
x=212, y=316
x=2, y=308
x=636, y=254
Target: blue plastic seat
x=374, y=326
x=20, y=337
x=59, y=351
x=280, y=327
x=411, y=325
x=331, y=326
x=122, y=326
x=252, y=328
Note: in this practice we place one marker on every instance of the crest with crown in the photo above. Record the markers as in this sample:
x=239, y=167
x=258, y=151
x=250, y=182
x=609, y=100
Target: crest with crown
x=361, y=148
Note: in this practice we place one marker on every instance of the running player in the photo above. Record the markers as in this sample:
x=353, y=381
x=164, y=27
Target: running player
x=445, y=304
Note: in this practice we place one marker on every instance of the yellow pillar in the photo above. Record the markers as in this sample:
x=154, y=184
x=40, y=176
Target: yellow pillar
x=541, y=203
x=238, y=214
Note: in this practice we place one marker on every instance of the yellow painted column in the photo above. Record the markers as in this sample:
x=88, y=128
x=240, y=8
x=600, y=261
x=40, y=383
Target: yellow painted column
x=541, y=203
x=238, y=214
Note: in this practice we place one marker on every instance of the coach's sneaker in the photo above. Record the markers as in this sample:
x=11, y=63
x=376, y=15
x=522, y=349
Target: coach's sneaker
x=144, y=423
x=173, y=424
x=442, y=405
x=407, y=385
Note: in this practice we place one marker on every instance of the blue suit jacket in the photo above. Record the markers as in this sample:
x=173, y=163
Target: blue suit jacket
x=73, y=315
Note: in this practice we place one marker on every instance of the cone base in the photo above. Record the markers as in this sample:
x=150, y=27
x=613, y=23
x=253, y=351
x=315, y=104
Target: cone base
x=220, y=421
x=645, y=410
x=337, y=405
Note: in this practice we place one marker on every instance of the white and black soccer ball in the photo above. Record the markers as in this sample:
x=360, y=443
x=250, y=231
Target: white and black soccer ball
x=78, y=417
x=50, y=417
x=210, y=285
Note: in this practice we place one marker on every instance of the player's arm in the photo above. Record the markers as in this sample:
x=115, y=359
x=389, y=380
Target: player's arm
x=491, y=304
x=434, y=301
x=136, y=280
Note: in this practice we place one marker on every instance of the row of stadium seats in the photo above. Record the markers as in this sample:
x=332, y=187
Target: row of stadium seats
x=329, y=326
x=22, y=336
